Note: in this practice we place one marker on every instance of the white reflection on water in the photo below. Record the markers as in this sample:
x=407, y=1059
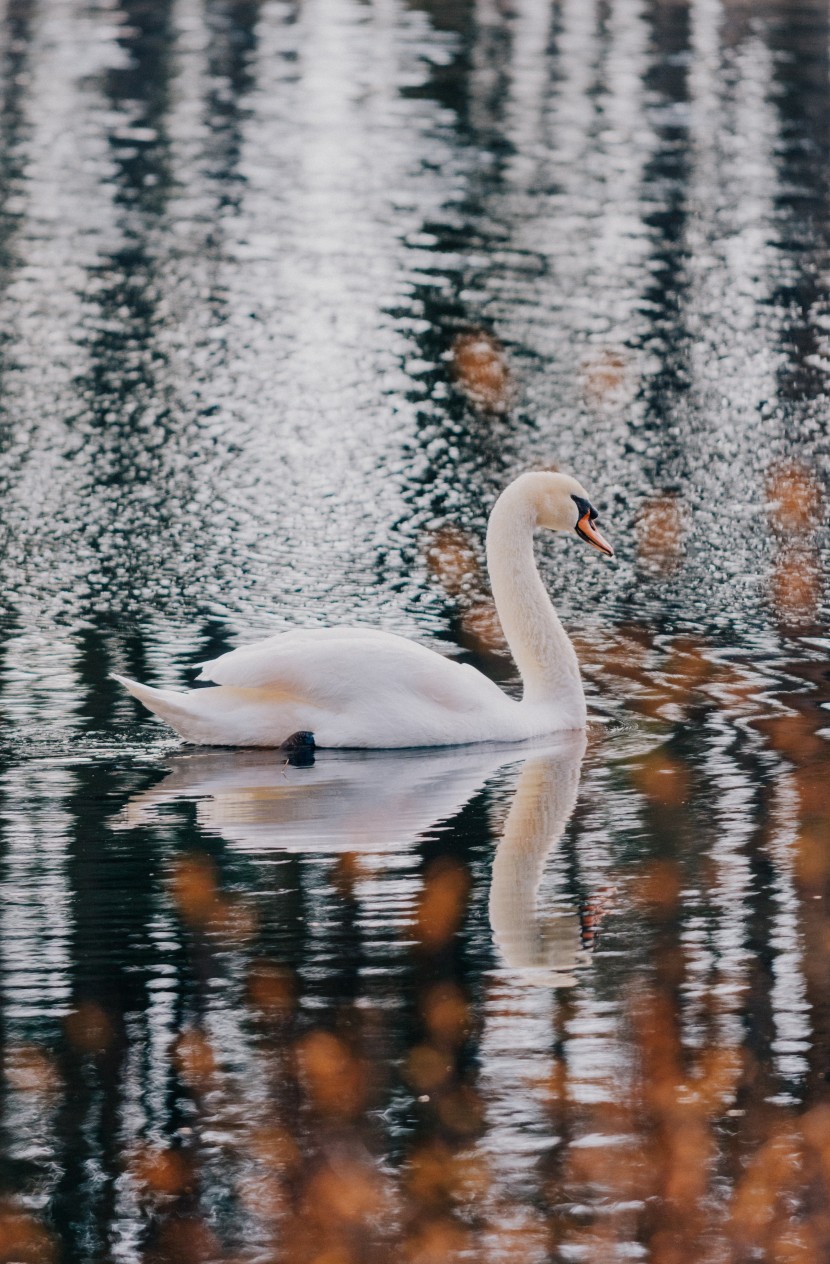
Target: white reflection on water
x=36, y=926
x=36, y=903
x=543, y=946
x=63, y=214
x=596, y=137
x=346, y=801
x=734, y=266
x=379, y=807
x=790, y=1008
x=40, y=695
x=174, y=297
x=384, y=802
x=734, y=828
x=540, y=940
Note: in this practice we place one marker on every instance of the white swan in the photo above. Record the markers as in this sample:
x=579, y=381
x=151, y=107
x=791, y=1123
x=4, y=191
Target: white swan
x=355, y=687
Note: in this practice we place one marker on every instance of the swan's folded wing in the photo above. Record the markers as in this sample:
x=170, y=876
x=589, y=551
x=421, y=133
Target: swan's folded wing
x=339, y=665
x=275, y=661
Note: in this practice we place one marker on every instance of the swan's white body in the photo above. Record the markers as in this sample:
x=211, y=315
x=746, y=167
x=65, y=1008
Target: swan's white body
x=355, y=687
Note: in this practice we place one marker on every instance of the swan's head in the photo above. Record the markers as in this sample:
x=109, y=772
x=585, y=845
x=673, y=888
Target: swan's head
x=562, y=504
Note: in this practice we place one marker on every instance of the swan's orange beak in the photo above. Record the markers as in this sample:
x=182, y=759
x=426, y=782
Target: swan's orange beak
x=589, y=532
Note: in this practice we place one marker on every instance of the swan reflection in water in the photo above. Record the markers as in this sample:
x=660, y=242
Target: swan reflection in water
x=371, y=802
x=543, y=945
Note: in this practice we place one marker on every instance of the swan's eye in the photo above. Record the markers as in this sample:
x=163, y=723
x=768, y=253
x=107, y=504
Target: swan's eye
x=585, y=508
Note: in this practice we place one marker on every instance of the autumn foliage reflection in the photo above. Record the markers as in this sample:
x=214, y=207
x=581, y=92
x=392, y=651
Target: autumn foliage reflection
x=661, y=530
x=795, y=504
x=25, y=1240
x=608, y=377
x=454, y=562
x=479, y=366
x=683, y=1147
x=343, y=1125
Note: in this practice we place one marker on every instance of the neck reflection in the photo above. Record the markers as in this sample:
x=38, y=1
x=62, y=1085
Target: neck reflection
x=543, y=945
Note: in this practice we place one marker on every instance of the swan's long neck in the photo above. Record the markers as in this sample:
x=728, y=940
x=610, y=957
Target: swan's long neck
x=539, y=644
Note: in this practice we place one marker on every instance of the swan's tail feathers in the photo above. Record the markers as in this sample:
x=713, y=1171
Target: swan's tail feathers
x=226, y=716
x=165, y=703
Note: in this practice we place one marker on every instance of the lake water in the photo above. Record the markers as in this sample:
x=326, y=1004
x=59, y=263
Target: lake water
x=288, y=291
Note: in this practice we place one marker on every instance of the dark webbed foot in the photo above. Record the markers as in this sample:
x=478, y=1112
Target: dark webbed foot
x=299, y=748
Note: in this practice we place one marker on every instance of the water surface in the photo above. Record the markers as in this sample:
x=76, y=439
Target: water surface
x=287, y=293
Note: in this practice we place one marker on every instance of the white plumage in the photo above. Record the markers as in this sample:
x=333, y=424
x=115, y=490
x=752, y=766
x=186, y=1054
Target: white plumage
x=358, y=687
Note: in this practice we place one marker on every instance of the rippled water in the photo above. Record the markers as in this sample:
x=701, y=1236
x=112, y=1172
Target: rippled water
x=287, y=293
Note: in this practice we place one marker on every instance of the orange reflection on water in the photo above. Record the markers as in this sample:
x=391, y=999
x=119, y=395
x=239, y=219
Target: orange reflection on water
x=460, y=1111
x=275, y=1148
x=335, y=1079
x=89, y=1029
x=658, y=888
x=608, y=377
x=339, y=1209
x=446, y=1014
x=664, y=780
x=184, y=1240
x=481, y=629
x=625, y=659
x=812, y=862
x=795, y=503
x=479, y=366
x=438, y=1241
x=345, y=1195
x=427, y=1068
x=760, y=1215
x=24, y=1240
x=665, y=1157
x=796, y=736
x=30, y=1069
x=195, y=1060
x=796, y=585
x=272, y=990
x=161, y=1172
x=668, y=681
x=661, y=531
x=442, y=904
x=813, y=787
x=194, y=889
x=794, y=498
x=452, y=558
x=201, y=905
